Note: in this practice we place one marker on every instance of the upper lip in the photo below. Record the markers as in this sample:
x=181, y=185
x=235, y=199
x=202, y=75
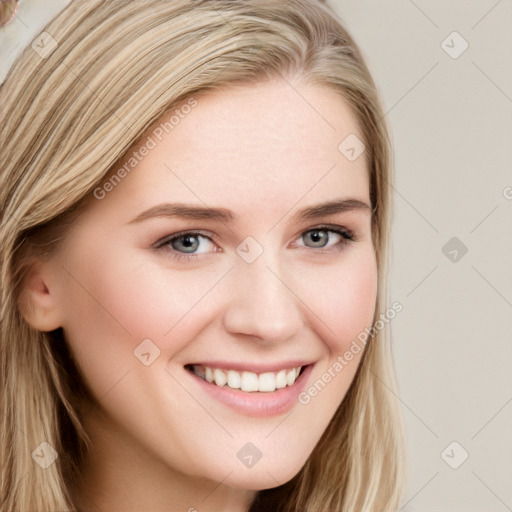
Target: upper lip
x=253, y=367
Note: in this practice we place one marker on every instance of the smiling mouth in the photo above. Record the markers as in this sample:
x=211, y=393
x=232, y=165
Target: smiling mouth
x=249, y=382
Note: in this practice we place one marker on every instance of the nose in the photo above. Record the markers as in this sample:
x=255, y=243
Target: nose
x=262, y=302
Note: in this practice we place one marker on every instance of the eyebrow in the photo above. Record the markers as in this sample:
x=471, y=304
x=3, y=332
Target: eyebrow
x=194, y=212
x=332, y=207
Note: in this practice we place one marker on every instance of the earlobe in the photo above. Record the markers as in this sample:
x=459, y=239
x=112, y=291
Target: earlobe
x=38, y=302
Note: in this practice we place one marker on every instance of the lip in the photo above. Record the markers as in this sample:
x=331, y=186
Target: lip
x=255, y=404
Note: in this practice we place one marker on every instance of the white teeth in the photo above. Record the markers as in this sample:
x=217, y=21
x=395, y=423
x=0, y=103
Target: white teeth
x=281, y=379
x=248, y=381
x=219, y=377
x=234, y=380
x=290, y=376
x=267, y=381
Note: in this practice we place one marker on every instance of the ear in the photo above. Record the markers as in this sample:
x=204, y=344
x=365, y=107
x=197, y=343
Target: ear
x=38, y=302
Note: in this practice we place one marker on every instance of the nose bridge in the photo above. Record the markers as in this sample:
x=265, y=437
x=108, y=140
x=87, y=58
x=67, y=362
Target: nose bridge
x=261, y=302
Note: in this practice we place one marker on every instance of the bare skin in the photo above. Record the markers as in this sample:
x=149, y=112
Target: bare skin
x=265, y=152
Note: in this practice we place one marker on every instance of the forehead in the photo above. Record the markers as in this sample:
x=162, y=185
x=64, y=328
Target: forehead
x=250, y=145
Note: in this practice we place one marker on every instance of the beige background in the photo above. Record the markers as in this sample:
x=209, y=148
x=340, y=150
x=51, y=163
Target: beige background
x=451, y=116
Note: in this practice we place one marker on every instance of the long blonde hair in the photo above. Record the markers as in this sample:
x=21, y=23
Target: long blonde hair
x=104, y=72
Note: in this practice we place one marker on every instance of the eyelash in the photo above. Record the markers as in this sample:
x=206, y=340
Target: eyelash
x=347, y=236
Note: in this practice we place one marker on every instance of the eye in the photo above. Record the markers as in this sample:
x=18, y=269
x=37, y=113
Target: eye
x=326, y=236
x=189, y=244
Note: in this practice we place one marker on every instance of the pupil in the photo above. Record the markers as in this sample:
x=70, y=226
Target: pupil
x=188, y=242
x=318, y=236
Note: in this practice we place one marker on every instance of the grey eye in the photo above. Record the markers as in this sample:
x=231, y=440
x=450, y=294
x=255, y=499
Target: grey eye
x=186, y=243
x=318, y=237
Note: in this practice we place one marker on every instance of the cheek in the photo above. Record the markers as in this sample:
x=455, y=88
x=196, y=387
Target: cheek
x=342, y=297
x=345, y=307
x=149, y=297
x=122, y=301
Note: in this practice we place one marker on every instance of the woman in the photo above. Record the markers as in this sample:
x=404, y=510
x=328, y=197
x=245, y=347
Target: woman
x=195, y=209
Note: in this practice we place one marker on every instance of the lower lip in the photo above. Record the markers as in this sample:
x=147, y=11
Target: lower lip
x=257, y=404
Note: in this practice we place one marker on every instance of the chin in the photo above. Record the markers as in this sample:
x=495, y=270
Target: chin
x=258, y=478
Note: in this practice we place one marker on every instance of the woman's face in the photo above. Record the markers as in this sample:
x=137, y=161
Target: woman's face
x=218, y=252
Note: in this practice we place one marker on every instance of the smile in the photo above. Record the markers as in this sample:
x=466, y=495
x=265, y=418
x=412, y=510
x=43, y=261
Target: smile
x=247, y=381
x=252, y=389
